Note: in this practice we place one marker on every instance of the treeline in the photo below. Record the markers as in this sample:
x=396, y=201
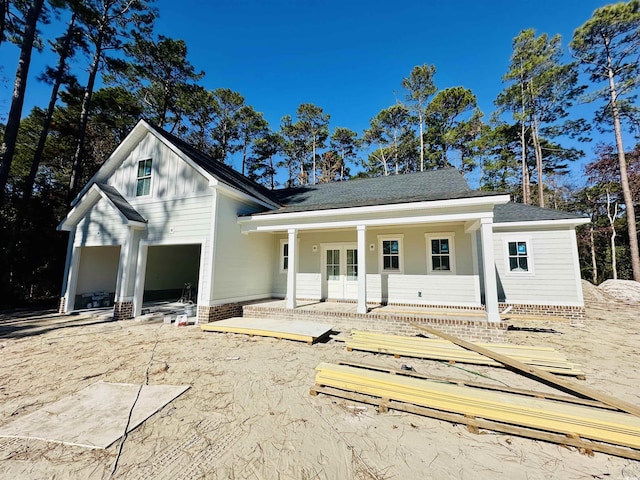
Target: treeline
x=524, y=147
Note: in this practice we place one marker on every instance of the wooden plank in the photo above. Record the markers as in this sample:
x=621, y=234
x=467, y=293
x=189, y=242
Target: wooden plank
x=302, y=331
x=484, y=386
x=542, y=357
x=583, y=445
x=607, y=426
x=539, y=374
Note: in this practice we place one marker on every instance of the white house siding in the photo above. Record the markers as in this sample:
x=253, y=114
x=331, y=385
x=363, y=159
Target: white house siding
x=459, y=289
x=171, y=176
x=553, y=280
x=242, y=263
x=102, y=225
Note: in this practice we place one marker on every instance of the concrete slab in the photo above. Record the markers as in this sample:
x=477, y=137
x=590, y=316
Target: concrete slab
x=94, y=417
x=266, y=327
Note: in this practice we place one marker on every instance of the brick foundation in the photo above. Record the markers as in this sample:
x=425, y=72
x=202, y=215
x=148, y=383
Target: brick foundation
x=219, y=312
x=574, y=314
x=122, y=310
x=473, y=330
x=61, y=306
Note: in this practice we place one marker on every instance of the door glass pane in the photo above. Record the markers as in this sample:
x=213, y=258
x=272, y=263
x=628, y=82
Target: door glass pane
x=352, y=264
x=333, y=264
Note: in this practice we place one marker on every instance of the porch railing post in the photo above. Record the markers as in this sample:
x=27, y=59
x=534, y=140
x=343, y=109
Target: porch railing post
x=489, y=271
x=292, y=268
x=362, y=269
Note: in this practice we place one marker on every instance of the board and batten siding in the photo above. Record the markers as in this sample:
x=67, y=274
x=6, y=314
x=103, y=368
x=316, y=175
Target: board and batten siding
x=101, y=226
x=171, y=176
x=242, y=263
x=553, y=281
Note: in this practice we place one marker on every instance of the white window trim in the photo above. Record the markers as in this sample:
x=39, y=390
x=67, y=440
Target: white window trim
x=530, y=263
x=151, y=176
x=400, y=239
x=452, y=252
x=283, y=242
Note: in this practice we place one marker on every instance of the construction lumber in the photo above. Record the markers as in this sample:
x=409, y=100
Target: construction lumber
x=539, y=374
x=545, y=358
x=473, y=424
x=568, y=420
x=484, y=386
x=302, y=331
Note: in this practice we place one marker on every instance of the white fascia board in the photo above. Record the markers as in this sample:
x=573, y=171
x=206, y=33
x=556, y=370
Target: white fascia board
x=567, y=222
x=83, y=204
x=396, y=207
x=373, y=222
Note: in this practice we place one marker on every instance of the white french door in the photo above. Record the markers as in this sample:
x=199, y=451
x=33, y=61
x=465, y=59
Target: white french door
x=340, y=271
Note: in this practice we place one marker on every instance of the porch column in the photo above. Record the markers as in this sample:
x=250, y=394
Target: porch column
x=362, y=269
x=123, y=303
x=69, y=281
x=489, y=271
x=292, y=268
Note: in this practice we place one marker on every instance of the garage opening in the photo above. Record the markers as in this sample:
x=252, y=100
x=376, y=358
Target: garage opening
x=97, y=277
x=172, y=273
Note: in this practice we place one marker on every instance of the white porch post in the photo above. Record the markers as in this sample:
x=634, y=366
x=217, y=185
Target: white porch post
x=362, y=269
x=69, y=281
x=489, y=271
x=292, y=268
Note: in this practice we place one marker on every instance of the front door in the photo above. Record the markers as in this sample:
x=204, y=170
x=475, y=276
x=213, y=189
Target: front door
x=340, y=271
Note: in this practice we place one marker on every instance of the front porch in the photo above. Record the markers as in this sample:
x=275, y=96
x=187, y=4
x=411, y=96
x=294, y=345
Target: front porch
x=467, y=322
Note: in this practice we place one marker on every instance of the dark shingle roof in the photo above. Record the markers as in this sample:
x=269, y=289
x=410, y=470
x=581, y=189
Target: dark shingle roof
x=443, y=184
x=219, y=170
x=519, y=212
x=121, y=204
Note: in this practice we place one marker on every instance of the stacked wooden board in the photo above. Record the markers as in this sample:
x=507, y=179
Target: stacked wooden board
x=544, y=358
x=582, y=425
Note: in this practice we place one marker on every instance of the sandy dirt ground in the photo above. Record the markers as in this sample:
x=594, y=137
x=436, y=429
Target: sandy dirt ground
x=249, y=415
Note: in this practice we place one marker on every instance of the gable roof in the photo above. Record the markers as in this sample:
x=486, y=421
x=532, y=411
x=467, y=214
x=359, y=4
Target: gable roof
x=91, y=196
x=217, y=169
x=121, y=203
x=519, y=212
x=442, y=184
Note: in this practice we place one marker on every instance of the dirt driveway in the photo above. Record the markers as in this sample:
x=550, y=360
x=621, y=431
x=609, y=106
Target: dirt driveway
x=249, y=415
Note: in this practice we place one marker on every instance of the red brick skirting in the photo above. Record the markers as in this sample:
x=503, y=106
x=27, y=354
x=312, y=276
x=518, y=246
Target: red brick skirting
x=399, y=324
x=61, y=306
x=575, y=314
x=208, y=314
x=122, y=310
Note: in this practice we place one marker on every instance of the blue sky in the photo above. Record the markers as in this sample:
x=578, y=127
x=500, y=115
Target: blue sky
x=348, y=57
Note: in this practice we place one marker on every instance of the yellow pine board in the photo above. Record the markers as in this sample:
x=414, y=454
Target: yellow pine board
x=265, y=327
x=608, y=426
x=543, y=357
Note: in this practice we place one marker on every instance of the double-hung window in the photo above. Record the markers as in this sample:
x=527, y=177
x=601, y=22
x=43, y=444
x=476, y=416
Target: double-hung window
x=440, y=253
x=518, y=253
x=391, y=254
x=143, y=181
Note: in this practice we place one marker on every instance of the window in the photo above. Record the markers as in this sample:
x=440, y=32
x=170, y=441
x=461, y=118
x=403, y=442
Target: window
x=391, y=254
x=333, y=264
x=518, y=256
x=284, y=256
x=440, y=253
x=143, y=186
x=352, y=264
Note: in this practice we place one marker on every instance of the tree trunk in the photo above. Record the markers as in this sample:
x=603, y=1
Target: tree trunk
x=20, y=85
x=421, y=143
x=76, y=169
x=594, y=264
x=313, y=154
x=4, y=13
x=612, y=219
x=624, y=178
x=526, y=186
x=37, y=156
x=538, y=152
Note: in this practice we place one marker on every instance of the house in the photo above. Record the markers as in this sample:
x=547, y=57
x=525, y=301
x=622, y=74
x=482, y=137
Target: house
x=159, y=214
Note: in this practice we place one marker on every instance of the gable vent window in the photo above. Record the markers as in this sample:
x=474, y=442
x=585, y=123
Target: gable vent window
x=143, y=186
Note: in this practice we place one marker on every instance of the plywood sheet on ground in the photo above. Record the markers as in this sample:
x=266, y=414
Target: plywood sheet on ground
x=94, y=417
x=267, y=327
